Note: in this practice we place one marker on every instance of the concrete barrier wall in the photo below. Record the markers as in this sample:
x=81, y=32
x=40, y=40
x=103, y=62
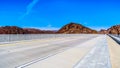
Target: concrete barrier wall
x=19, y=37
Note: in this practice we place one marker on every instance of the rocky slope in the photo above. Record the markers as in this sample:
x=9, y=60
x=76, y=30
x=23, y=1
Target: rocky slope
x=112, y=30
x=71, y=28
x=103, y=31
x=18, y=30
x=11, y=30
x=38, y=31
x=74, y=28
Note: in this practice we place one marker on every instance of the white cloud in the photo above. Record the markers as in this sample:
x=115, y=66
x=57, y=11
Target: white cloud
x=29, y=8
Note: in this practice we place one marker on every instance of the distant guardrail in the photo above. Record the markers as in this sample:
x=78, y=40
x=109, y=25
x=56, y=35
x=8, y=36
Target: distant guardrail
x=115, y=37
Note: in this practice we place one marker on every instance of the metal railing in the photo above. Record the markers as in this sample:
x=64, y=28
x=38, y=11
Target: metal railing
x=115, y=37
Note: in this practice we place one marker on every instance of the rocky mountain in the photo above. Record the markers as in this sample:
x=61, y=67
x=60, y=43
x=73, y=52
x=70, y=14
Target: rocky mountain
x=18, y=30
x=11, y=30
x=38, y=31
x=103, y=31
x=71, y=28
x=114, y=29
x=74, y=28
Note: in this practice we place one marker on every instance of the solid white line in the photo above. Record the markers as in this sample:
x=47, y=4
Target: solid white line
x=40, y=59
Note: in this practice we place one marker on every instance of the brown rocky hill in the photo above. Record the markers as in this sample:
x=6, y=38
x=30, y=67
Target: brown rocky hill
x=114, y=29
x=38, y=31
x=103, y=31
x=74, y=28
x=18, y=30
x=11, y=30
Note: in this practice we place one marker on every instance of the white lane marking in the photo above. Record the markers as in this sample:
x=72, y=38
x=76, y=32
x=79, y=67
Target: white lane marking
x=40, y=59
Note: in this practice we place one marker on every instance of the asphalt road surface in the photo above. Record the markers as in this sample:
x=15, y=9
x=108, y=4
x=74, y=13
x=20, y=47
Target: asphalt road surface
x=16, y=54
x=98, y=57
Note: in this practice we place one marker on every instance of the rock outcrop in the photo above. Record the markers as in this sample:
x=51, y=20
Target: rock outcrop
x=11, y=30
x=74, y=28
x=114, y=29
x=103, y=31
x=38, y=31
x=18, y=30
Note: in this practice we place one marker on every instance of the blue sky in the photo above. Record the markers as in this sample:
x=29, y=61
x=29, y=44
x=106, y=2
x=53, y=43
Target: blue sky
x=53, y=14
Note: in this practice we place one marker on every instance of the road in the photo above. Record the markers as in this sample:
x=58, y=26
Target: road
x=15, y=54
x=98, y=57
x=114, y=49
x=93, y=53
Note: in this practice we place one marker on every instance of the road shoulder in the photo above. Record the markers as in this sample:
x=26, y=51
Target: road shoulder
x=114, y=50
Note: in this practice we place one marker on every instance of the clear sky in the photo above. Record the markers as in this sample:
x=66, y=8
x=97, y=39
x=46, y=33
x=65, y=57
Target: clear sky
x=53, y=14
